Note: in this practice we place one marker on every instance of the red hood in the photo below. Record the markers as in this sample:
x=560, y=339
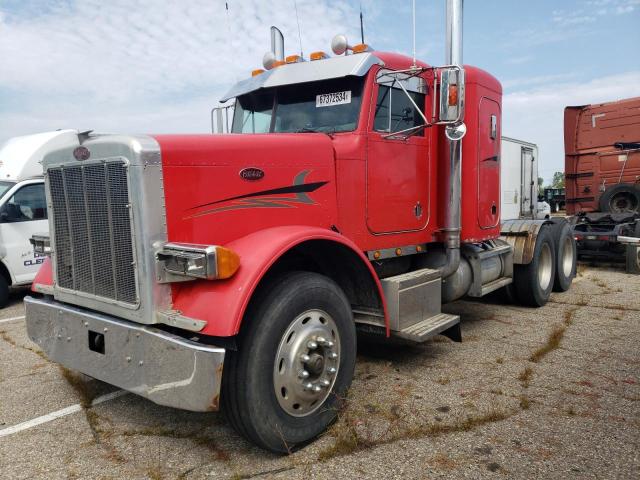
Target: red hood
x=222, y=187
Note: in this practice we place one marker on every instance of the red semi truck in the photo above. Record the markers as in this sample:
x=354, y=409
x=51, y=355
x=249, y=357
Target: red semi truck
x=233, y=271
x=602, y=176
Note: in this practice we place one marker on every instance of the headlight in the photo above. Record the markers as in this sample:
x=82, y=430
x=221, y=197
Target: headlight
x=208, y=262
x=41, y=244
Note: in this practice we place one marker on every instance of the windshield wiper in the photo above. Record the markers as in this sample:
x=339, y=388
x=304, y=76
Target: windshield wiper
x=329, y=132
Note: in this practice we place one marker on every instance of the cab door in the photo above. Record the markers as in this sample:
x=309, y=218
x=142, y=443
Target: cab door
x=397, y=166
x=23, y=213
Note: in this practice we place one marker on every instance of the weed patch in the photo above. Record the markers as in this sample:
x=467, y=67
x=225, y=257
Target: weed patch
x=553, y=342
x=525, y=377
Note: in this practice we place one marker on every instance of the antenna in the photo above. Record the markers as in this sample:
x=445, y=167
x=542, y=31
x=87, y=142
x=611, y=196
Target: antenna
x=361, y=26
x=414, y=32
x=295, y=5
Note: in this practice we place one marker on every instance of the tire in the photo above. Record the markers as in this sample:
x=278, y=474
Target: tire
x=566, y=254
x=533, y=282
x=4, y=291
x=620, y=198
x=263, y=391
x=636, y=232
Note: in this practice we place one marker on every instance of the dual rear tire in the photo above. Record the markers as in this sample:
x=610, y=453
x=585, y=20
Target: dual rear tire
x=552, y=268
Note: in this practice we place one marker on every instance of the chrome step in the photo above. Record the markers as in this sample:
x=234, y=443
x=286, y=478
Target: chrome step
x=442, y=323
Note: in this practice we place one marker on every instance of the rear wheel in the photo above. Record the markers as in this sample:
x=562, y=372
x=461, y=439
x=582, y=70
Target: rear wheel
x=566, y=255
x=295, y=362
x=4, y=291
x=533, y=282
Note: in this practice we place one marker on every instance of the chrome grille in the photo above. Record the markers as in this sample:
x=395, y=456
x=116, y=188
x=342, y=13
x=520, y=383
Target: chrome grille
x=93, y=247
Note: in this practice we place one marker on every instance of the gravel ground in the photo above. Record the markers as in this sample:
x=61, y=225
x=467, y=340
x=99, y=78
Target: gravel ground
x=550, y=393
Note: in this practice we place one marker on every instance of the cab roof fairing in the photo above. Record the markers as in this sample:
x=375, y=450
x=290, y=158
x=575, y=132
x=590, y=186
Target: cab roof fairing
x=303, y=72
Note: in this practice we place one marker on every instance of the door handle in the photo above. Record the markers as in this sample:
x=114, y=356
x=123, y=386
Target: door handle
x=495, y=158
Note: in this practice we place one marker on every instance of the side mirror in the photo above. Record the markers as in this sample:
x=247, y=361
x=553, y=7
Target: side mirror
x=451, y=95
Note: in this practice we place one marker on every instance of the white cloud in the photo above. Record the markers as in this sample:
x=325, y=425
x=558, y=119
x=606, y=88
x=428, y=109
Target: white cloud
x=537, y=114
x=83, y=63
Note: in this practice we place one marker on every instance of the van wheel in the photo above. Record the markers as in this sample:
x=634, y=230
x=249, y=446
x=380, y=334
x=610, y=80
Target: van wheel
x=294, y=363
x=4, y=291
x=533, y=282
x=566, y=254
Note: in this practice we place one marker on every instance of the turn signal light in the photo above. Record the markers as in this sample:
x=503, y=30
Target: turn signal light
x=318, y=56
x=453, y=95
x=227, y=262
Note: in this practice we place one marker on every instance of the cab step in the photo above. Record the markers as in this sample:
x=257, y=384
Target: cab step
x=440, y=324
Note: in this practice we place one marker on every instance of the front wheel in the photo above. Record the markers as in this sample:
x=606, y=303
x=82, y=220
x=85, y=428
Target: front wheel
x=294, y=363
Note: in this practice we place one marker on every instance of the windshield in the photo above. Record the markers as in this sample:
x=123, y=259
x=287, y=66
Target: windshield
x=4, y=187
x=325, y=106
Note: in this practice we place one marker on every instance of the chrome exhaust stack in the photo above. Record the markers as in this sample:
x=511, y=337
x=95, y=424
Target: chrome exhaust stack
x=454, y=134
x=276, y=54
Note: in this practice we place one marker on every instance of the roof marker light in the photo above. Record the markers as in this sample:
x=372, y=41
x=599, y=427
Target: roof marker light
x=256, y=72
x=318, y=56
x=361, y=47
x=294, y=59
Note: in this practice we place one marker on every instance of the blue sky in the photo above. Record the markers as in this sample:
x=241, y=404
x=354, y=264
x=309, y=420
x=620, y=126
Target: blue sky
x=159, y=66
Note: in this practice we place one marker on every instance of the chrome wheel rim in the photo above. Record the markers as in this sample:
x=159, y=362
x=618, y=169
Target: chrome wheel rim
x=306, y=363
x=567, y=257
x=545, y=265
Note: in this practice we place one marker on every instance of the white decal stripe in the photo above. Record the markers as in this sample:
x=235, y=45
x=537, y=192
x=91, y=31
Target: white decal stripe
x=58, y=414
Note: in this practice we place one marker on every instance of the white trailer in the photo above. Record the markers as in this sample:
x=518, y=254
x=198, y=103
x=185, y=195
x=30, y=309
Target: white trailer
x=519, y=181
x=23, y=206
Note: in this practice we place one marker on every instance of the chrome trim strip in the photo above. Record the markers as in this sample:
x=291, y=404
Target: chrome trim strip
x=165, y=368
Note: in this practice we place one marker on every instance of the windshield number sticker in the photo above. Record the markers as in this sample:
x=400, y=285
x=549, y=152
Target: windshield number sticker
x=331, y=99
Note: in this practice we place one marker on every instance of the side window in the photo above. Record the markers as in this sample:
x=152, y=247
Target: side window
x=253, y=114
x=395, y=112
x=28, y=203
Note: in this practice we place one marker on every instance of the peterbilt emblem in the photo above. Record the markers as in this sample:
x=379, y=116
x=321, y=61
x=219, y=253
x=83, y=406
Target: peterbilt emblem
x=81, y=153
x=251, y=174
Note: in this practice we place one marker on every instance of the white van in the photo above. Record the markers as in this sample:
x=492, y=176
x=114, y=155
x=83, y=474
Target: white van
x=23, y=206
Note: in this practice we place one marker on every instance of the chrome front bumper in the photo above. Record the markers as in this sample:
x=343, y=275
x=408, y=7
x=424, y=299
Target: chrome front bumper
x=154, y=364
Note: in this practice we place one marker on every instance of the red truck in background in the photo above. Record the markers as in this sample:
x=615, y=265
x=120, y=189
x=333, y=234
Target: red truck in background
x=602, y=178
x=233, y=271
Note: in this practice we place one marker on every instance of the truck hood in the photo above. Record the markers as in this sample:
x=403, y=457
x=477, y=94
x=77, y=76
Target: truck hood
x=222, y=187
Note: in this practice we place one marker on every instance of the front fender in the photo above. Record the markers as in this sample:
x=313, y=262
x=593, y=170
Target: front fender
x=222, y=303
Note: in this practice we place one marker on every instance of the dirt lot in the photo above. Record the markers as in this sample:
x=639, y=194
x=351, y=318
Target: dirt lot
x=550, y=393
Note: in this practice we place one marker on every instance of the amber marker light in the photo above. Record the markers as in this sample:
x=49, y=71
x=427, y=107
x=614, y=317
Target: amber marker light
x=376, y=255
x=293, y=59
x=278, y=63
x=418, y=248
x=453, y=95
x=360, y=48
x=398, y=251
x=227, y=262
x=318, y=56
x=256, y=72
